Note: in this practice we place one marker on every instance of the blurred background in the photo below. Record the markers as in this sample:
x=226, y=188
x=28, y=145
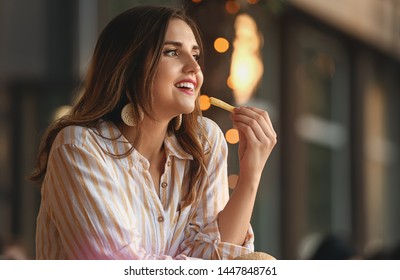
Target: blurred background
x=328, y=73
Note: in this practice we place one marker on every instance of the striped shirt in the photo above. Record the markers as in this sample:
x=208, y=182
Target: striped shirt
x=98, y=206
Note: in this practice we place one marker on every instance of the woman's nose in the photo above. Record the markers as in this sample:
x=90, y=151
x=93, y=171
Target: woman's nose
x=191, y=65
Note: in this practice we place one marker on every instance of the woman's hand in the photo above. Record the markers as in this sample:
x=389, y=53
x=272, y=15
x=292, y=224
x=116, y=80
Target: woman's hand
x=257, y=139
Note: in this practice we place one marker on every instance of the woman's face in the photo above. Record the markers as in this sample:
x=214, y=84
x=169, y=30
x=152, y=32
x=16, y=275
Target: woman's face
x=178, y=77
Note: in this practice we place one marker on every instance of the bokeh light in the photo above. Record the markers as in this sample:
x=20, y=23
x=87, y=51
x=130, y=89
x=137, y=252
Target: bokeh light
x=221, y=45
x=232, y=7
x=229, y=83
x=232, y=136
x=204, y=102
x=247, y=65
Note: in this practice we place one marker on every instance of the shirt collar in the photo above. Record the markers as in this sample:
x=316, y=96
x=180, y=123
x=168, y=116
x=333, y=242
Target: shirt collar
x=111, y=131
x=173, y=148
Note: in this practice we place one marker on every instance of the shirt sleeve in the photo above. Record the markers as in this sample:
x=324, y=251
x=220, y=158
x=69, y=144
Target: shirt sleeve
x=88, y=208
x=204, y=240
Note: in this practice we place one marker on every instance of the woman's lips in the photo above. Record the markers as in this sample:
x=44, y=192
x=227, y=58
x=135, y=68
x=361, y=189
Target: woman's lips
x=186, y=86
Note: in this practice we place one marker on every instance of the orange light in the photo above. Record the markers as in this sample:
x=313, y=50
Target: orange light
x=232, y=180
x=204, y=102
x=229, y=83
x=196, y=1
x=246, y=64
x=232, y=7
x=232, y=136
x=221, y=45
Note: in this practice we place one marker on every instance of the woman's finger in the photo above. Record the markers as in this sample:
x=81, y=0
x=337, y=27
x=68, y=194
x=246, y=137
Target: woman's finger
x=264, y=114
x=257, y=121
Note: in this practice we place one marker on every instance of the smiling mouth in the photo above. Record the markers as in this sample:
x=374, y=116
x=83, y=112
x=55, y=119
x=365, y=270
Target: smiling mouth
x=185, y=86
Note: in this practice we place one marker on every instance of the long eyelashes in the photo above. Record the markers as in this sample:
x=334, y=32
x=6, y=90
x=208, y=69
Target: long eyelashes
x=170, y=52
x=174, y=52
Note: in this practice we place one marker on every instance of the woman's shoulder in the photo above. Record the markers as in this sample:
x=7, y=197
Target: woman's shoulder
x=103, y=139
x=80, y=135
x=89, y=137
x=72, y=135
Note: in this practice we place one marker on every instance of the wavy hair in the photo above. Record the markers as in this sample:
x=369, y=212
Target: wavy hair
x=122, y=70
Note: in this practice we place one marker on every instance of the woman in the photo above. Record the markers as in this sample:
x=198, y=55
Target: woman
x=135, y=171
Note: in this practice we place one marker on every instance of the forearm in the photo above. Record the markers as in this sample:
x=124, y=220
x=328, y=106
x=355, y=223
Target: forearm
x=234, y=219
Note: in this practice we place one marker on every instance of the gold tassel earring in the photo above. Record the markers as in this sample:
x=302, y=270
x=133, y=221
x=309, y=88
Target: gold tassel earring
x=127, y=115
x=178, y=122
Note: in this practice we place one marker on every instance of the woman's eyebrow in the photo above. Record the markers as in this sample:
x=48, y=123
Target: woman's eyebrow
x=179, y=44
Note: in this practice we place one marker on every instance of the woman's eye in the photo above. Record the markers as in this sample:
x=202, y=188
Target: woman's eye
x=171, y=52
x=196, y=57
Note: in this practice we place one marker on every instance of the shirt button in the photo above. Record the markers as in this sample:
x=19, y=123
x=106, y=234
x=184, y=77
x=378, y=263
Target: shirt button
x=161, y=219
x=164, y=185
x=169, y=163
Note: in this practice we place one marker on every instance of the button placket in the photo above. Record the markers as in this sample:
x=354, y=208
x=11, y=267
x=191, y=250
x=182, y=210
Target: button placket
x=164, y=176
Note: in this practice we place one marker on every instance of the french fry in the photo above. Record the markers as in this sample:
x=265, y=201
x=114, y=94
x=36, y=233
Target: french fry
x=221, y=104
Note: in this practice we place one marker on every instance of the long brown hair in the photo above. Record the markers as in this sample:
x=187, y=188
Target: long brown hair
x=122, y=70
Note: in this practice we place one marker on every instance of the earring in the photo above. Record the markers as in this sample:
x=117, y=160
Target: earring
x=178, y=122
x=127, y=115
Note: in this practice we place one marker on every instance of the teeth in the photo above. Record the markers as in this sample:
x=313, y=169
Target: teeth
x=185, y=85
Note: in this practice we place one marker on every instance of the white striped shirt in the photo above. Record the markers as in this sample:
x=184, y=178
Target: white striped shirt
x=96, y=206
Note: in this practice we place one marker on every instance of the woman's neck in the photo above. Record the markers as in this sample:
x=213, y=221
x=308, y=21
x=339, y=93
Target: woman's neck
x=151, y=143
